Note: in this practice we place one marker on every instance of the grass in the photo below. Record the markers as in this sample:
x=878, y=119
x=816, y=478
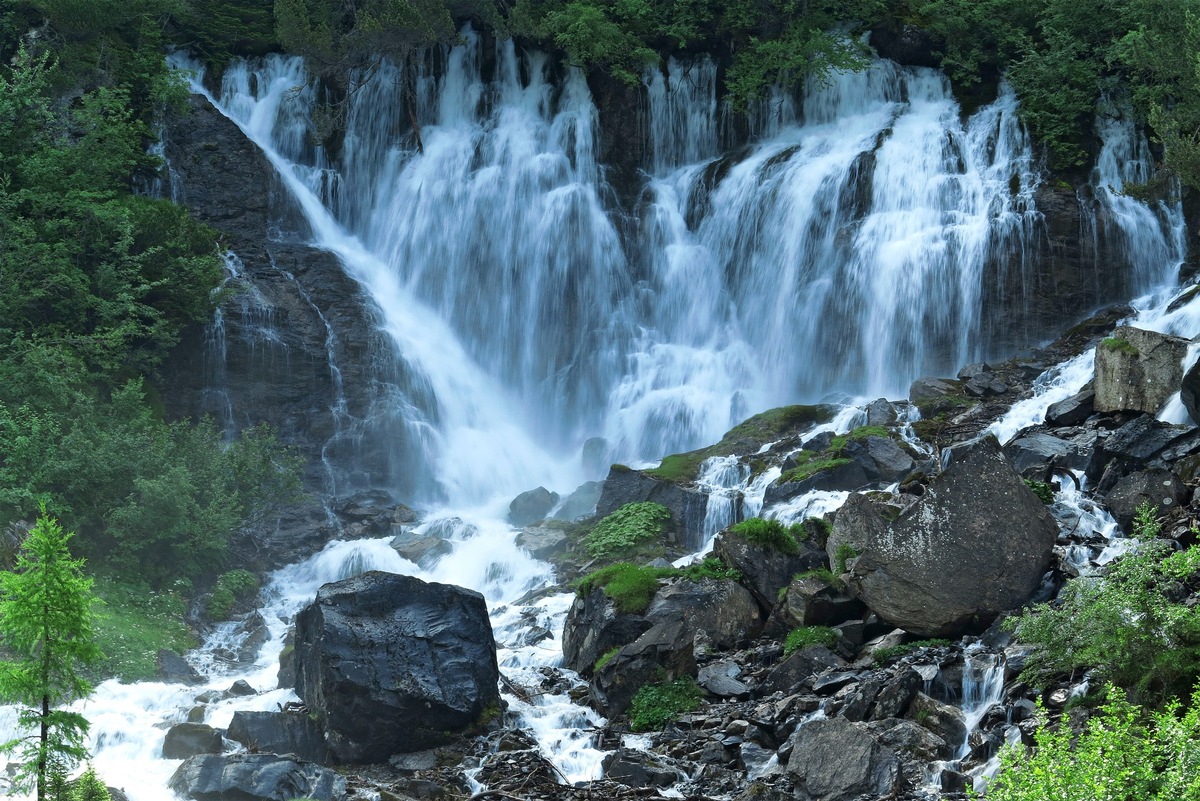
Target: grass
x=810, y=465
x=1041, y=489
x=131, y=626
x=809, y=635
x=823, y=574
x=605, y=658
x=843, y=554
x=632, y=587
x=236, y=585
x=772, y=534
x=656, y=705
x=773, y=424
x=885, y=655
x=1119, y=345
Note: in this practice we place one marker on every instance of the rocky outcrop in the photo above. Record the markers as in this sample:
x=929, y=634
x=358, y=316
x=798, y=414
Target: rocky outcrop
x=765, y=569
x=532, y=506
x=594, y=627
x=975, y=544
x=664, y=652
x=291, y=733
x=1138, y=370
x=687, y=506
x=835, y=760
x=391, y=663
x=184, y=740
x=723, y=612
x=255, y=777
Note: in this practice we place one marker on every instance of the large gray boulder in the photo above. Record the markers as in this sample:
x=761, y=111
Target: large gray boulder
x=975, y=544
x=836, y=760
x=255, y=777
x=594, y=627
x=292, y=733
x=665, y=652
x=532, y=506
x=189, y=739
x=765, y=569
x=1138, y=370
x=722, y=610
x=391, y=663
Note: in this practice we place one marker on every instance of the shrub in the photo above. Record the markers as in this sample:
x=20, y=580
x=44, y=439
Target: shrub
x=771, y=534
x=708, y=568
x=630, y=587
x=628, y=527
x=1119, y=344
x=809, y=635
x=1042, y=490
x=843, y=554
x=231, y=587
x=655, y=705
x=1125, y=625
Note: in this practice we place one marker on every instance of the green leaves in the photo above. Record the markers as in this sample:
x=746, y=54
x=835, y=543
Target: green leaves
x=624, y=530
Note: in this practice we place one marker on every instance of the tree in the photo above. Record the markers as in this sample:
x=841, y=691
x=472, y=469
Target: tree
x=46, y=629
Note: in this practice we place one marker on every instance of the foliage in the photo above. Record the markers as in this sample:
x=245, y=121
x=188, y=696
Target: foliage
x=236, y=585
x=1042, y=490
x=809, y=635
x=1122, y=754
x=1125, y=625
x=89, y=787
x=47, y=630
x=823, y=574
x=605, y=658
x=1119, y=345
x=772, y=534
x=628, y=527
x=134, y=623
x=808, y=464
x=630, y=587
x=1146, y=525
x=656, y=705
x=708, y=568
x=843, y=554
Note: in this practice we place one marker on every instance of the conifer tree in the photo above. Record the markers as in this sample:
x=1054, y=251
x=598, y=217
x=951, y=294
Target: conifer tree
x=46, y=631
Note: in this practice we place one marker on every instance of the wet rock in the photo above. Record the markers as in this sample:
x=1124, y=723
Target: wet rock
x=594, y=627
x=1140, y=440
x=174, y=669
x=882, y=459
x=532, y=506
x=765, y=570
x=543, y=541
x=723, y=611
x=1160, y=488
x=241, y=688
x=255, y=777
x=189, y=739
x=721, y=679
x=909, y=737
x=908, y=44
x=422, y=551
x=839, y=477
x=945, y=721
x=813, y=601
x=1137, y=370
x=624, y=486
x=1189, y=392
x=798, y=669
x=580, y=503
x=381, y=647
x=286, y=677
x=1035, y=455
x=663, y=653
x=880, y=413
x=835, y=760
x=417, y=760
x=1072, y=411
x=637, y=769
x=974, y=545
x=280, y=733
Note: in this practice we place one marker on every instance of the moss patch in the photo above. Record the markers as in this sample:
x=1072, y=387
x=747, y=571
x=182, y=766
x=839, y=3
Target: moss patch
x=625, y=530
x=1119, y=345
x=809, y=635
x=772, y=534
x=632, y=587
x=656, y=705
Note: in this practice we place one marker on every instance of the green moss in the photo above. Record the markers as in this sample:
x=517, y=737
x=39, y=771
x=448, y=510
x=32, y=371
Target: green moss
x=811, y=466
x=708, y=568
x=631, y=526
x=1041, y=489
x=885, y=655
x=773, y=424
x=605, y=659
x=656, y=705
x=823, y=574
x=809, y=635
x=839, y=443
x=771, y=534
x=632, y=587
x=1119, y=345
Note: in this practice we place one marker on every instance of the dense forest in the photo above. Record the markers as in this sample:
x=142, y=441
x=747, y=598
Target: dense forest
x=102, y=276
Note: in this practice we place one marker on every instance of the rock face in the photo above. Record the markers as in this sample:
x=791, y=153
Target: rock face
x=974, y=545
x=255, y=777
x=280, y=733
x=189, y=739
x=765, y=570
x=594, y=627
x=1137, y=370
x=664, y=652
x=624, y=485
x=392, y=664
x=834, y=760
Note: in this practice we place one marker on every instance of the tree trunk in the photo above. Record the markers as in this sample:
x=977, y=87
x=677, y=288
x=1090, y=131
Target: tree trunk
x=44, y=736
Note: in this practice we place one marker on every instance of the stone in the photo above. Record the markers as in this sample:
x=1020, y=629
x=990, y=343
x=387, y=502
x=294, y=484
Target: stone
x=812, y=601
x=379, y=648
x=881, y=458
x=974, y=370
x=422, y=551
x=634, y=768
x=241, y=687
x=593, y=628
x=720, y=679
x=1160, y=488
x=1036, y=455
x=880, y=413
x=912, y=738
x=184, y=740
x=688, y=507
x=975, y=544
x=721, y=610
x=835, y=760
x=1141, y=439
x=543, y=540
x=799, y=669
x=580, y=503
x=945, y=721
x=665, y=652
x=174, y=669
x=255, y=777
x=281, y=733
x=1138, y=371
x=765, y=570
x=417, y=760
x=840, y=477
x=532, y=506
x=1189, y=392
x=1072, y=411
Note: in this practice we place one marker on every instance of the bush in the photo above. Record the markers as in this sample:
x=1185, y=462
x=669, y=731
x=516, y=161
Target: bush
x=1126, y=625
x=809, y=635
x=624, y=530
x=232, y=587
x=630, y=587
x=656, y=705
x=843, y=554
x=771, y=534
x=1122, y=754
x=1042, y=490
